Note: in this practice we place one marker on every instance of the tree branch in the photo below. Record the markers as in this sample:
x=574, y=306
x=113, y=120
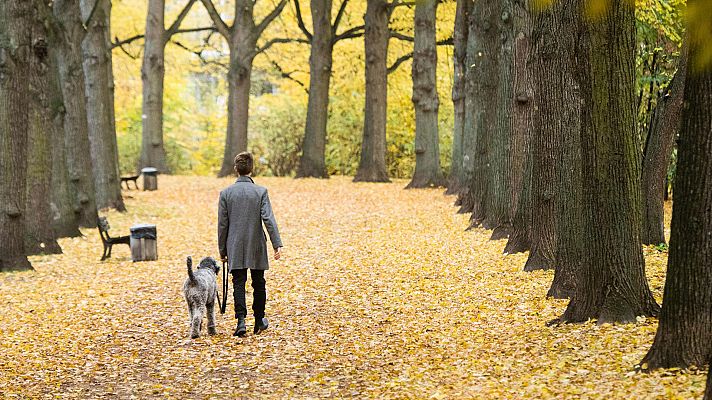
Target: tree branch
x=406, y=57
x=220, y=25
x=118, y=43
x=356, y=31
x=199, y=53
x=179, y=20
x=339, y=15
x=288, y=75
x=300, y=20
x=400, y=36
x=270, y=17
x=274, y=41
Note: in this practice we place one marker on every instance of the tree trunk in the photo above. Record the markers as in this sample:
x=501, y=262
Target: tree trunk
x=480, y=109
x=153, y=154
x=559, y=114
x=100, y=105
x=39, y=235
x=71, y=77
x=312, y=162
x=499, y=202
x=708, y=387
x=372, y=164
x=64, y=219
x=684, y=335
x=425, y=99
x=664, y=127
x=522, y=130
x=15, y=35
x=462, y=12
x=611, y=284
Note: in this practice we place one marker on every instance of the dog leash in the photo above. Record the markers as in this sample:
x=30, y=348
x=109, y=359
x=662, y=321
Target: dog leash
x=223, y=303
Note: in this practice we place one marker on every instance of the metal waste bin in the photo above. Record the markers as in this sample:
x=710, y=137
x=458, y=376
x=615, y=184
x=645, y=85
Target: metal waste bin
x=144, y=246
x=150, y=178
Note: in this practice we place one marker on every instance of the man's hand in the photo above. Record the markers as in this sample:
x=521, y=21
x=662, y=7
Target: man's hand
x=277, y=253
x=223, y=259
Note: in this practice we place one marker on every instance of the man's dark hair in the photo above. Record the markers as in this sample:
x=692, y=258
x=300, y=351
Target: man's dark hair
x=243, y=163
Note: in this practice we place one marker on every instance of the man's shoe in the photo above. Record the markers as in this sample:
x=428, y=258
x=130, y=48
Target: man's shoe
x=241, y=330
x=261, y=326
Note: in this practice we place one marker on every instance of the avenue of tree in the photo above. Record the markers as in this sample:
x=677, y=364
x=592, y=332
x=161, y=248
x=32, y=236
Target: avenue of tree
x=547, y=145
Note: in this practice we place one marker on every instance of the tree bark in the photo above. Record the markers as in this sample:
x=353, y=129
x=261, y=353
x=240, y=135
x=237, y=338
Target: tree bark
x=39, y=233
x=100, y=105
x=76, y=128
x=560, y=114
x=480, y=110
x=153, y=154
x=372, y=164
x=15, y=45
x=462, y=12
x=522, y=130
x=611, y=284
x=312, y=162
x=64, y=219
x=499, y=202
x=684, y=335
x=425, y=98
x=658, y=151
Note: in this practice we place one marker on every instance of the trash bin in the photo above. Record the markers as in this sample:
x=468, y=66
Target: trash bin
x=150, y=178
x=143, y=244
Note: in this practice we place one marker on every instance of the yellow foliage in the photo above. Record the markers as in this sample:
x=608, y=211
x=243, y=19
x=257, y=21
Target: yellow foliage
x=381, y=294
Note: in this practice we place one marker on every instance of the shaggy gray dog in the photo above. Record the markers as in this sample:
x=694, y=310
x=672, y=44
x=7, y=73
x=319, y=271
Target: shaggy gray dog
x=200, y=290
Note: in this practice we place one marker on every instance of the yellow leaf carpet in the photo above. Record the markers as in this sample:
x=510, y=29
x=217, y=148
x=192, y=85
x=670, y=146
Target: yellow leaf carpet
x=381, y=294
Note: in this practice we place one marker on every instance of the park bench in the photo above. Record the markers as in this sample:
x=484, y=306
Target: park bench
x=127, y=179
x=107, y=240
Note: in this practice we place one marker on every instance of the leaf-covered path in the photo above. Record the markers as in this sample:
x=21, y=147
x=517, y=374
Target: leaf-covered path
x=381, y=294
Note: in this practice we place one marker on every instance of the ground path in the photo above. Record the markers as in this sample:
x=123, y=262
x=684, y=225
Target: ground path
x=381, y=293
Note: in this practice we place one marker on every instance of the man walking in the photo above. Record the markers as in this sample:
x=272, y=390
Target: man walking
x=242, y=209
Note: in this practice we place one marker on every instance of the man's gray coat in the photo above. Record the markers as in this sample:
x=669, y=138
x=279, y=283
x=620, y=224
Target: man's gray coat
x=242, y=209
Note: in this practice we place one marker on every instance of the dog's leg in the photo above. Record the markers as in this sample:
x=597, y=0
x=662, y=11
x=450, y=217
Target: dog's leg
x=211, y=318
x=196, y=320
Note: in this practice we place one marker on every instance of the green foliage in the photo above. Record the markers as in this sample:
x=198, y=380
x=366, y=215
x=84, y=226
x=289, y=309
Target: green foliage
x=661, y=247
x=276, y=130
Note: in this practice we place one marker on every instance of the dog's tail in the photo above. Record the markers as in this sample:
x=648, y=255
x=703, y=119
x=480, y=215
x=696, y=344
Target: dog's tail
x=189, y=261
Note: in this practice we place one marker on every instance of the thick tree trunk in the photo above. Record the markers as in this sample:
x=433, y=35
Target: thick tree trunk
x=499, y=202
x=658, y=150
x=100, y=105
x=39, y=235
x=480, y=109
x=708, y=388
x=372, y=165
x=522, y=130
x=64, y=219
x=559, y=112
x=684, y=335
x=238, y=105
x=611, y=284
x=153, y=154
x=71, y=76
x=15, y=47
x=312, y=162
x=425, y=99
x=462, y=12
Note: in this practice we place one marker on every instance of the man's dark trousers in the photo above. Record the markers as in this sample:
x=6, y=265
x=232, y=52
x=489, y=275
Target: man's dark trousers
x=239, y=278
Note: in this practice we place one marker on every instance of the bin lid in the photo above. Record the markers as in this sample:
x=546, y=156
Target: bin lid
x=149, y=170
x=143, y=231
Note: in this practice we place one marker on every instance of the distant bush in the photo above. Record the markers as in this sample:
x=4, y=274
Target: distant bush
x=276, y=131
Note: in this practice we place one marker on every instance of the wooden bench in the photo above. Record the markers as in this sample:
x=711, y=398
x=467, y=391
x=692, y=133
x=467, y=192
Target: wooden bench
x=126, y=179
x=107, y=240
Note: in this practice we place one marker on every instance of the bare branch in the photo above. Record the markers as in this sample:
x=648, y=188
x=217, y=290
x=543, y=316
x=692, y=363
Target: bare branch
x=406, y=57
x=288, y=75
x=199, y=53
x=400, y=36
x=270, y=17
x=300, y=20
x=220, y=25
x=356, y=31
x=274, y=41
x=179, y=20
x=119, y=43
x=339, y=15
